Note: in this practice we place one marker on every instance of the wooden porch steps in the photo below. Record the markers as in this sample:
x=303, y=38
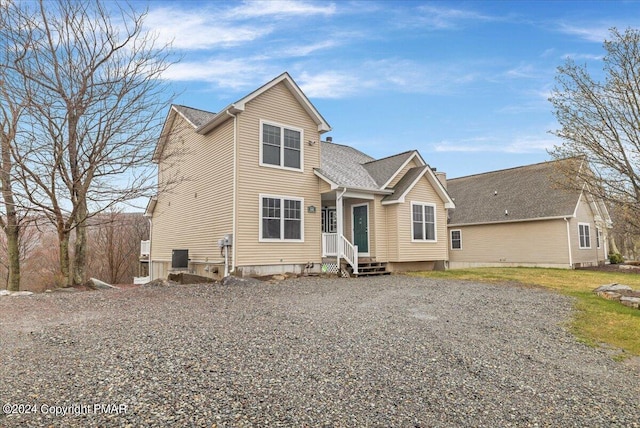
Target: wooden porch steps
x=370, y=268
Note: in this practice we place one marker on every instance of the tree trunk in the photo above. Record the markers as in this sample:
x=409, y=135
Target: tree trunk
x=13, y=252
x=11, y=226
x=65, y=263
x=80, y=249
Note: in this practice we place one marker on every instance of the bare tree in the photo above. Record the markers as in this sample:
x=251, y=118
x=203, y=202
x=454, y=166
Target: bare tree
x=96, y=98
x=114, y=248
x=13, y=46
x=600, y=120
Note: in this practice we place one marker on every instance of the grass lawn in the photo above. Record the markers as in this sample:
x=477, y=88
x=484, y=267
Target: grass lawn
x=597, y=320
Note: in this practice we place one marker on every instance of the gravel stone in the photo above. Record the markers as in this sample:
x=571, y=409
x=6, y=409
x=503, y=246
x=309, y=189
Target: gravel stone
x=384, y=351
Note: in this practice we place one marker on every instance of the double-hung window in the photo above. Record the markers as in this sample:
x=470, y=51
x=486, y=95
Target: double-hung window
x=584, y=235
x=281, y=218
x=281, y=146
x=423, y=224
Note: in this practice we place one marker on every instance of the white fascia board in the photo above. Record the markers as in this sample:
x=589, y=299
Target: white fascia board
x=440, y=190
x=401, y=198
x=405, y=163
x=358, y=195
x=219, y=119
x=240, y=105
x=330, y=182
x=151, y=206
x=166, y=127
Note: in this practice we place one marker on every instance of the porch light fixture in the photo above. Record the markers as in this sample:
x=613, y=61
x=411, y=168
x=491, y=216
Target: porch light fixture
x=311, y=209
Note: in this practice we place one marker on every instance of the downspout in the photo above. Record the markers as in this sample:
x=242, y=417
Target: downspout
x=150, y=262
x=569, y=243
x=340, y=215
x=235, y=188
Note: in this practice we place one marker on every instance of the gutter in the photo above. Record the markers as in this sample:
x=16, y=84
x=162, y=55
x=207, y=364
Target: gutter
x=219, y=119
x=522, y=220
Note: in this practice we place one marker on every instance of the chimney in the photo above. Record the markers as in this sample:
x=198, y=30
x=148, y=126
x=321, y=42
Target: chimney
x=441, y=176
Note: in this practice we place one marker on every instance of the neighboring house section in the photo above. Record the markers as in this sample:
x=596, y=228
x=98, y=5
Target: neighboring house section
x=523, y=217
x=258, y=173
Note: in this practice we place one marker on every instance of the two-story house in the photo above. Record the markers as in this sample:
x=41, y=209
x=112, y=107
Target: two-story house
x=258, y=173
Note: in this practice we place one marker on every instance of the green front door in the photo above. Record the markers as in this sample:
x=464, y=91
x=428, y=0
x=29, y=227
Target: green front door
x=361, y=228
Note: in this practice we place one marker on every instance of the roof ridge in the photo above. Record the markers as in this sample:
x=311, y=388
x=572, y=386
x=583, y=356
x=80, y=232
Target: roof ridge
x=194, y=108
x=391, y=156
x=511, y=168
x=349, y=147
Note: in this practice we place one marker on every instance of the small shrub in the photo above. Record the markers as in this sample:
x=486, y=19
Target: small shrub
x=616, y=258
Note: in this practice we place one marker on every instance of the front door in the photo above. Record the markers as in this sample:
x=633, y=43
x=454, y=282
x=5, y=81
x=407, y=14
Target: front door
x=361, y=227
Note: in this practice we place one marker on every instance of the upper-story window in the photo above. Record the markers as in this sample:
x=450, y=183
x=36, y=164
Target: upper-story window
x=281, y=146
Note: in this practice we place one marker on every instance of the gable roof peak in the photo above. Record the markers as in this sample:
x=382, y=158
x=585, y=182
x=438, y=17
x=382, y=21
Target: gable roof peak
x=292, y=86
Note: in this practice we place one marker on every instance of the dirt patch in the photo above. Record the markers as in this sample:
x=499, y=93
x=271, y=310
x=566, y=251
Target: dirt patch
x=617, y=268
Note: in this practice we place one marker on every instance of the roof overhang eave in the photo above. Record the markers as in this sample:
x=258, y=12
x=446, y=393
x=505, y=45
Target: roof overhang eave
x=521, y=220
x=151, y=206
x=224, y=115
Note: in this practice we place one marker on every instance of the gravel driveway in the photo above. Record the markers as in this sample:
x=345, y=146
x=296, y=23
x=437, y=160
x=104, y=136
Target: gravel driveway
x=386, y=351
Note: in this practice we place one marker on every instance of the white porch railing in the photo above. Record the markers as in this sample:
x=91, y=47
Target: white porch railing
x=145, y=249
x=331, y=242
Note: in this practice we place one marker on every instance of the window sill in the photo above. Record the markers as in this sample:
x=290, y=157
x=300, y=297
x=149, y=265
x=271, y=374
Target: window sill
x=285, y=168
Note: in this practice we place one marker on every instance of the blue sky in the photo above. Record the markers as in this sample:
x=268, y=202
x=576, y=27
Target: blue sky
x=465, y=83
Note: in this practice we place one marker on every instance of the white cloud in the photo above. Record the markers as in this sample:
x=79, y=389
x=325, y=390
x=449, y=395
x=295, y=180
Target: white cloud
x=199, y=29
x=252, y=9
x=522, y=71
x=589, y=57
x=519, y=145
x=233, y=74
x=305, y=50
x=445, y=18
x=591, y=33
x=330, y=84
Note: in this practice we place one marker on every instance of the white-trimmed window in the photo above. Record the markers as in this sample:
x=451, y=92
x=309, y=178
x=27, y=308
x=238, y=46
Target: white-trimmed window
x=423, y=222
x=598, y=237
x=281, y=218
x=584, y=234
x=456, y=239
x=281, y=146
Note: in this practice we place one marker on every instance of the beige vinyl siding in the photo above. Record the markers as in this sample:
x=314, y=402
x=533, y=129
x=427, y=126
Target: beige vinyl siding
x=412, y=164
x=533, y=242
x=585, y=256
x=379, y=226
x=323, y=186
x=197, y=212
x=279, y=106
x=408, y=250
x=393, y=230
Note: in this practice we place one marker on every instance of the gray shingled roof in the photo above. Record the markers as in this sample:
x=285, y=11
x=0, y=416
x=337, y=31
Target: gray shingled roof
x=405, y=182
x=381, y=170
x=195, y=116
x=528, y=192
x=344, y=166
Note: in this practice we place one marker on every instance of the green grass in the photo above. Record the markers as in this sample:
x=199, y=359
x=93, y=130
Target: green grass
x=597, y=321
